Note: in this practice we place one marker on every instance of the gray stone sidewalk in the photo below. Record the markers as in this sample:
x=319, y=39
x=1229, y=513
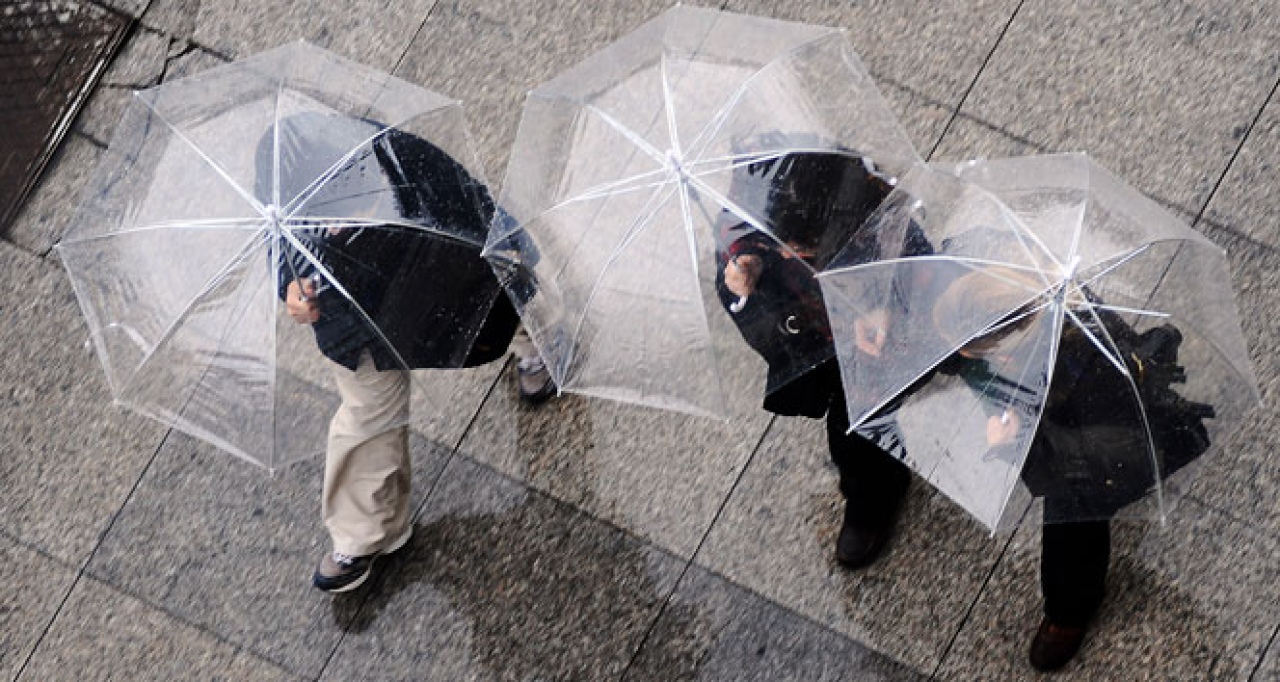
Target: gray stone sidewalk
x=590, y=541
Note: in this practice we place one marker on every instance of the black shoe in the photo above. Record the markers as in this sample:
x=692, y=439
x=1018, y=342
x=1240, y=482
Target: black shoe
x=1054, y=645
x=534, y=381
x=864, y=535
x=859, y=546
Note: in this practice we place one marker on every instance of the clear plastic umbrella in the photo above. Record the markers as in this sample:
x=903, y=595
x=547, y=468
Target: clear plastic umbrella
x=1062, y=336
x=220, y=189
x=634, y=170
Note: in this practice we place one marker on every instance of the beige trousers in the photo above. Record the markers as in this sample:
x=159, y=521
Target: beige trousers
x=365, y=503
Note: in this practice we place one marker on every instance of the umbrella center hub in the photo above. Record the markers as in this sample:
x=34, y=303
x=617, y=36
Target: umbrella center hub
x=676, y=165
x=272, y=213
x=1069, y=269
x=1069, y=283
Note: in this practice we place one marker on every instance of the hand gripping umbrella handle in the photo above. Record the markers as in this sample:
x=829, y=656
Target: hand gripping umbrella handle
x=316, y=279
x=737, y=306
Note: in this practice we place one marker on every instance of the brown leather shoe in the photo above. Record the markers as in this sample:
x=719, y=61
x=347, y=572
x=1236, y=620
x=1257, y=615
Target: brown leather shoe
x=1054, y=645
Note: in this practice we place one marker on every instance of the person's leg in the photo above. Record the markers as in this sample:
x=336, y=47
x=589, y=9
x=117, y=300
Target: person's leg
x=1073, y=571
x=874, y=484
x=365, y=501
x=533, y=378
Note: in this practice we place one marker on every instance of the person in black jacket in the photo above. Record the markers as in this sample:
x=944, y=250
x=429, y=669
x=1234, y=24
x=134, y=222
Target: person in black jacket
x=382, y=296
x=813, y=202
x=1089, y=453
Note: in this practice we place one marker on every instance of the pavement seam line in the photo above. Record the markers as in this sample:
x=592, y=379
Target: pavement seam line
x=977, y=597
x=974, y=83
x=1257, y=667
x=413, y=39
x=955, y=114
x=675, y=587
x=35, y=549
x=1236, y=154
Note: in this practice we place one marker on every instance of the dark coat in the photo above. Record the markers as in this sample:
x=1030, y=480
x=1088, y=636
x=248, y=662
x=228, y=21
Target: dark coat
x=813, y=202
x=1090, y=451
x=430, y=298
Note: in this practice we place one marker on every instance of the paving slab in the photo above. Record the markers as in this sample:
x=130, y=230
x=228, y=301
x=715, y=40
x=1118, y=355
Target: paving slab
x=658, y=474
x=200, y=521
x=746, y=637
x=503, y=583
x=103, y=634
x=1195, y=599
x=923, y=117
x=35, y=586
x=70, y=455
x=1248, y=201
x=53, y=201
x=1159, y=93
x=369, y=31
x=970, y=138
x=924, y=55
x=776, y=537
x=490, y=53
x=1246, y=207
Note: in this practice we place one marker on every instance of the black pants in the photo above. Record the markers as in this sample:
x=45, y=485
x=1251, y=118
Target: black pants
x=873, y=482
x=1073, y=570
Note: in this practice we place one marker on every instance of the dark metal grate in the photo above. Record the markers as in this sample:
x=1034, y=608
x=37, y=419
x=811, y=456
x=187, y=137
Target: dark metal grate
x=51, y=55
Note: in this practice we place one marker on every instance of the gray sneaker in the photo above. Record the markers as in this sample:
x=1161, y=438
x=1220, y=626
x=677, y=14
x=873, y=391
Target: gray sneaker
x=534, y=380
x=340, y=572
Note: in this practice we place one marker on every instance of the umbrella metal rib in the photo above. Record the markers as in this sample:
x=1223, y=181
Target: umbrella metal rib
x=219, y=224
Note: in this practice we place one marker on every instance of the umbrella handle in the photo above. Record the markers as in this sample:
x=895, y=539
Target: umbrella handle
x=316, y=279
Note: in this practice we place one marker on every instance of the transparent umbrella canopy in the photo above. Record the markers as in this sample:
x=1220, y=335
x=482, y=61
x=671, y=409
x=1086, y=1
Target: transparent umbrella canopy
x=1063, y=337
x=623, y=177
x=220, y=189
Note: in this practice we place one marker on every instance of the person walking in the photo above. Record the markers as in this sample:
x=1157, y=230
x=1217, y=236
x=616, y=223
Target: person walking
x=383, y=298
x=813, y=202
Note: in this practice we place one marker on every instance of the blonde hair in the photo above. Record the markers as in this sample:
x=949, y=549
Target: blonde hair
x=987, y=296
